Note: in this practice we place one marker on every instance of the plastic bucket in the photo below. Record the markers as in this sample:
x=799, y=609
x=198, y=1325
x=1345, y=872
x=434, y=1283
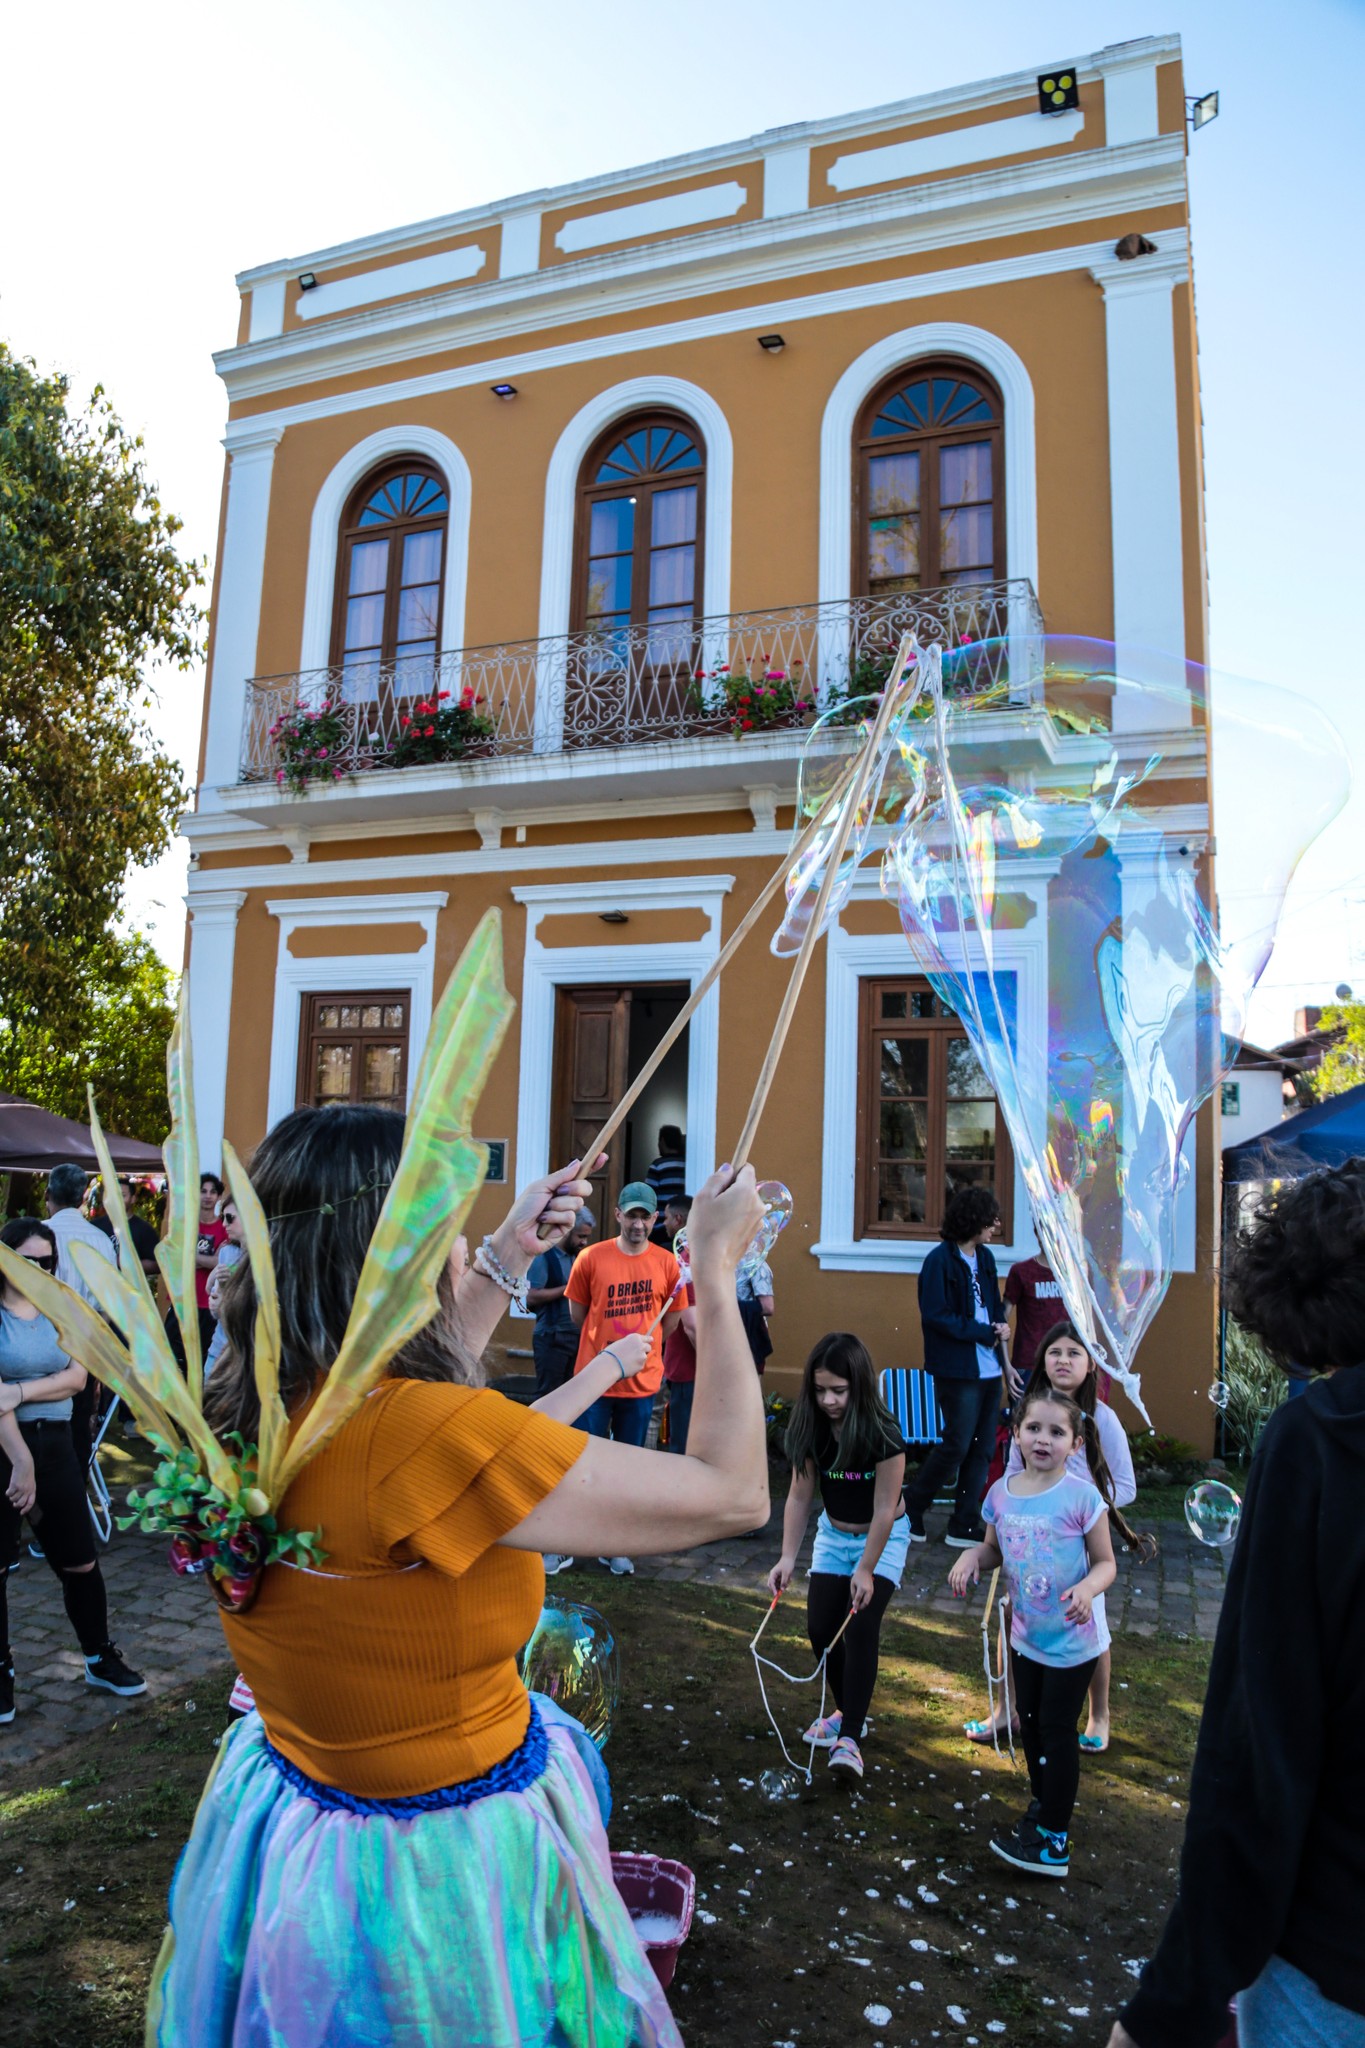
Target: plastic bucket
x=656, y=1885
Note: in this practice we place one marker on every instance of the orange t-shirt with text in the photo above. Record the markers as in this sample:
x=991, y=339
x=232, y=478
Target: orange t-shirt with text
x=622, y=1295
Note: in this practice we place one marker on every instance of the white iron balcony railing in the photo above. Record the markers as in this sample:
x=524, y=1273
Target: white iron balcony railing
x=626, y=686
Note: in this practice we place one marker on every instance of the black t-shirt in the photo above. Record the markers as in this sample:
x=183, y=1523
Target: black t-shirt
x=145, y=1239
x=848, y=1493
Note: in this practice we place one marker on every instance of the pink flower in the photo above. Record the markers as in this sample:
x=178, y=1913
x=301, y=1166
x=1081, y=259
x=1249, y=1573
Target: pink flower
x=322, y=753
x=279, y=775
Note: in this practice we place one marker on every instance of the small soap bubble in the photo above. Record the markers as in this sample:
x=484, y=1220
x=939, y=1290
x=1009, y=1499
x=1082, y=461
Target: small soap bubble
x=1220, y=1393
x=779, y=1785
x=1213, y=1512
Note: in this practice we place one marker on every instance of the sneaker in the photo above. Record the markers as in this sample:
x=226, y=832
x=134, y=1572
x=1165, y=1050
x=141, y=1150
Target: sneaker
x=959, y=1539
x=556, y=1561
x=6, y=1691
x=1028, y=1847
x=824, y=1734
x=914, y=1528
x=109, y=1672
x=846, y=1756
x=619, y=1567
x=36, y=1551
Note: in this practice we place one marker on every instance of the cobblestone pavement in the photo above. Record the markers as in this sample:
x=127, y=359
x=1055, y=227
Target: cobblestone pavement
x=168, y=1627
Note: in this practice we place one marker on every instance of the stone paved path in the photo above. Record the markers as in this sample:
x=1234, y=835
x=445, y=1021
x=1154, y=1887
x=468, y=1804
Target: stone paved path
x=168, y=1627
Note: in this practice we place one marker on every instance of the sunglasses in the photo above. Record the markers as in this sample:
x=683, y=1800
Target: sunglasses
x=47, y=1260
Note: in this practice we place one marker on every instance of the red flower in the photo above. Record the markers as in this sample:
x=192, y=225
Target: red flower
x=405, y=720
x=747, y=724
x=442, y=693
x=430, y=730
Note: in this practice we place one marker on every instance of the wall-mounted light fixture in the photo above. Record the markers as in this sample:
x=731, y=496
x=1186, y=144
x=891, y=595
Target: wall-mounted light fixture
x=308, y=281
x=1058, y=91
x=503, y=390
x=1202, y=111
x=772, y=344
x=613, y=917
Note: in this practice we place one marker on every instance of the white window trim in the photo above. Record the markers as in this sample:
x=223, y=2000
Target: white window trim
x=319, y=599
x=635, y=394
x=344, y=971
x=883, y=955
x=547, y=969
x=860, y=379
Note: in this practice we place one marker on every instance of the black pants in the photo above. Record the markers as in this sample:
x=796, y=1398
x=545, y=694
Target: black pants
x=969, y=1411
x=555, y=1353
x=853, y=1660
x=1050, y=1700
x=60, y=1519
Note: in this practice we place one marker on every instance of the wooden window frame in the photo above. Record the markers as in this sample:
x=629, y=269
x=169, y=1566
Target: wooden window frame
x=310, y=1032
x=396, y=531
x=872, y=1028
x=587, y=493
x=931, y=439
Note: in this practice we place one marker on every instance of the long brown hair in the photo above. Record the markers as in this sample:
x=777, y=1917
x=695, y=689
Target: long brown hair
x=1085, y=1401
x=321, y=1176
x=868, y=1428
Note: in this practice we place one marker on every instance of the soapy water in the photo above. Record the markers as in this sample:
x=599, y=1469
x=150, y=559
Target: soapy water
x=1049, y=861
x=657, y=1929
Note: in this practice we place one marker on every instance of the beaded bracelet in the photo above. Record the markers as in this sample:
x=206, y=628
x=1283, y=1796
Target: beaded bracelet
x=487, y=1262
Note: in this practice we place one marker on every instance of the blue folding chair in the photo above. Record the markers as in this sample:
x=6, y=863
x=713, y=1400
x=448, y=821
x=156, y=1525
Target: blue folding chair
x=908, y=1392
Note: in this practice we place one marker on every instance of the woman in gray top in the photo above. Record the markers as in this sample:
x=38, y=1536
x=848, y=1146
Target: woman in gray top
x=33, y=1363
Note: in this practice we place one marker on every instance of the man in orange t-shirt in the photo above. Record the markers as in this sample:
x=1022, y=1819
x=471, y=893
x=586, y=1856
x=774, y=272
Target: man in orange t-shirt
x=616, y=1288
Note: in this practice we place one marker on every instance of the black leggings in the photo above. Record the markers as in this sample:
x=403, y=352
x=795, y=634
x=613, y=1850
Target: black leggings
x=853, y=1660
x=1050, y=1699
x=60, y=1519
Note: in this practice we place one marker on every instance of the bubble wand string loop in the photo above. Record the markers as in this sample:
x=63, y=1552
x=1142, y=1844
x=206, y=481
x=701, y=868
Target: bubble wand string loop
x=1000, y=1680
x=821, y=1672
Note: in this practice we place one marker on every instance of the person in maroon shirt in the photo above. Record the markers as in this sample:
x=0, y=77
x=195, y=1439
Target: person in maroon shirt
x=1034, y=1305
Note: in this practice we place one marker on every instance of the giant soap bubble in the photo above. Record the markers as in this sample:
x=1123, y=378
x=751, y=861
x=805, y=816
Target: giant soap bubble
x=1045, y=804
x=573, y=1659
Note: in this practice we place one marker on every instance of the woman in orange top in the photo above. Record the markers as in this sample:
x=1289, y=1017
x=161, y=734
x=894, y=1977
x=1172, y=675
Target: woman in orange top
x=400, y=1846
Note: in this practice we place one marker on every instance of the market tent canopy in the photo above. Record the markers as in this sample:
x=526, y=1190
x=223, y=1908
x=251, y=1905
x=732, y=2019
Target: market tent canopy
x=1326, y=1135
x=32, y=1140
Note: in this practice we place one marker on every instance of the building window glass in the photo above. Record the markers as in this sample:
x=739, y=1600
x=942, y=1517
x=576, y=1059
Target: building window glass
x=354, y=1048
x=928, y=1122
x=929, y=490
x=638, y=539
x=391, y=569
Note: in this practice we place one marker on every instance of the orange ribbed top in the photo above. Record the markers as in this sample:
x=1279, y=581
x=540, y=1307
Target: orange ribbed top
x=391, y=1670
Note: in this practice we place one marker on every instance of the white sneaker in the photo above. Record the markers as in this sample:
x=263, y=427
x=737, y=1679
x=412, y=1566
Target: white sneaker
x=555, y=1561
x=619, y=1567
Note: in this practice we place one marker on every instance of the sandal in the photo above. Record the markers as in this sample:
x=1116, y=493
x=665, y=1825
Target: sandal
x=824, y=1734
x=1093, y=1745
x=985, y=1731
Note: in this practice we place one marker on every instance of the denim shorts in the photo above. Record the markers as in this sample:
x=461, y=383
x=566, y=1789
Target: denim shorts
x=1285, y=2009
x=838, y=1552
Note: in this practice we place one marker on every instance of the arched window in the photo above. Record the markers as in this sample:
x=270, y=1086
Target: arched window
x=390, y=573
x=929, y=482
x=638, y=538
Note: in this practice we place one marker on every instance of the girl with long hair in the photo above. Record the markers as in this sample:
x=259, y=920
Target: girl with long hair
x=1065, y=1363
x=1048, y=1529
x=467, y=1890
x=844, y=1440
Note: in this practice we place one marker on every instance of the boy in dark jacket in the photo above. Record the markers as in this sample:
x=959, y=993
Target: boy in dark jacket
x=964, y=1325
x=1272, y=1874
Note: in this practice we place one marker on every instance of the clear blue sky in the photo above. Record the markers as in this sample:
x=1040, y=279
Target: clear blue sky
x=159, y=148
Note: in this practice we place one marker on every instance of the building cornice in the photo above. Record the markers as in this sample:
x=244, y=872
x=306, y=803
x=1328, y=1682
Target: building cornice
x=953, y=100
x=1034, y=196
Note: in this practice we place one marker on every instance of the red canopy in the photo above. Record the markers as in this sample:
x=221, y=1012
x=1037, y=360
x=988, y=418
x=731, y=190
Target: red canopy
x=32, y=1140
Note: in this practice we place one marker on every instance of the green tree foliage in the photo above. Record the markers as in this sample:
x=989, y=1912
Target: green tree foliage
x=1343, y=1064
x=92, y=592
x=114, y=1032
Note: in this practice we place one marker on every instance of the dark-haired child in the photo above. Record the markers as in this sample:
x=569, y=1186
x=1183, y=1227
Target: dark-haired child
x=1273, y=1868
x=1050, y=1531
x=843, y=1439
x=1064, y=1362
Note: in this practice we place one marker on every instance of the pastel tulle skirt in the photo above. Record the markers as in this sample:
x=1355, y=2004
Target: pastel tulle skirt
x=482, y=1917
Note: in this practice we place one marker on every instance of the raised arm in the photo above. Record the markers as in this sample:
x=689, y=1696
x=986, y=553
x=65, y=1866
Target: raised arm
x=541, y=1215
x=618, y=1498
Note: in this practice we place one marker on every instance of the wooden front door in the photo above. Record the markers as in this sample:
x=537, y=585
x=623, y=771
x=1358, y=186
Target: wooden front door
x=592, y=1047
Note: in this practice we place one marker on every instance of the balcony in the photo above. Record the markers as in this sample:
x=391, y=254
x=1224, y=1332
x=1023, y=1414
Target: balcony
x=500, y=715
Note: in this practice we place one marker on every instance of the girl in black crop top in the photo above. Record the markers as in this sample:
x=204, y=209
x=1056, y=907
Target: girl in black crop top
x=843, y=1438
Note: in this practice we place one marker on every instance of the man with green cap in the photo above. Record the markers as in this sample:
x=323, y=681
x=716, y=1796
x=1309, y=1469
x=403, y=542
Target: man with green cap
x=616, y=1288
